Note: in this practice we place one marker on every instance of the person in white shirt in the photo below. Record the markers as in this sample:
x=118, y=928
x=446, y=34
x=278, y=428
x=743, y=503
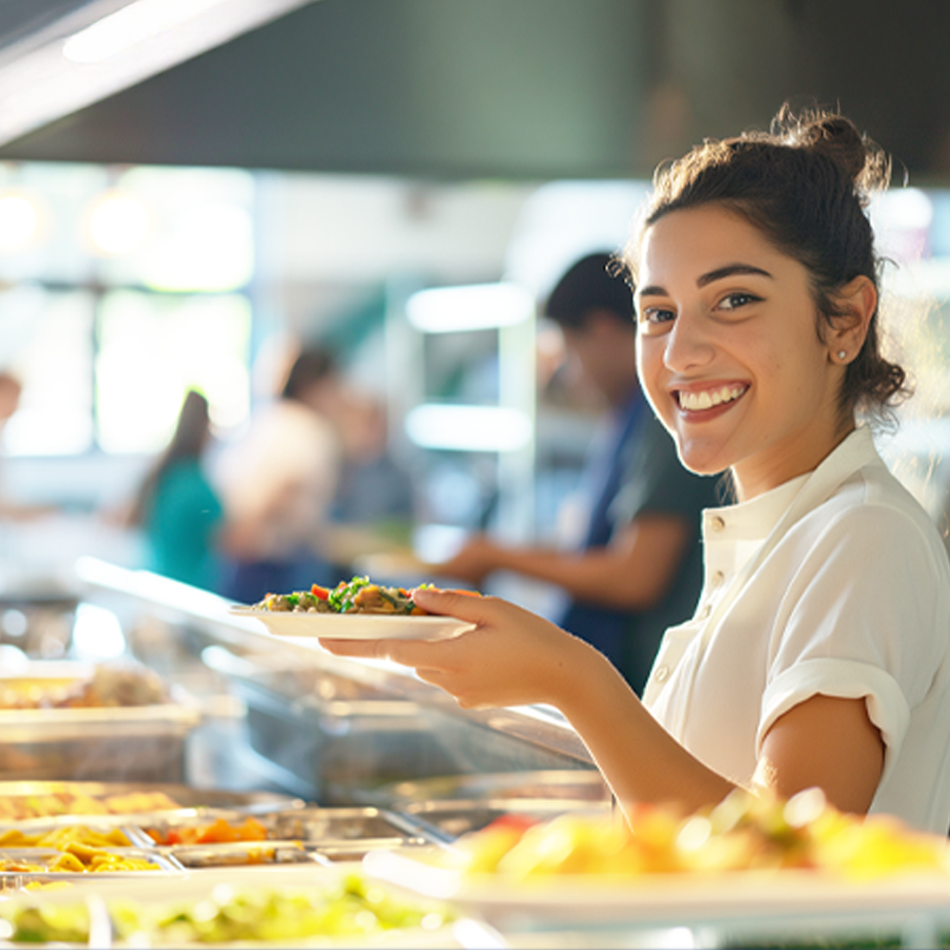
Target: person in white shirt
x=277, y=483
x=819, y=653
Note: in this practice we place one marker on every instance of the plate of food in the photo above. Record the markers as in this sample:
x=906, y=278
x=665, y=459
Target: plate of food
x=744, y=862
x=353, y=610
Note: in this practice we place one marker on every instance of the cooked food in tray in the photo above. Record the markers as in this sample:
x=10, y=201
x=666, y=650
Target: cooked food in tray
x=340, y=907
x=77, y=861
x=21, y=807
x=22, y=801
x=355, y=596
x=102, y=685
x=71, y=849
x=316, y=829
x=219, y=831
x=65, y=837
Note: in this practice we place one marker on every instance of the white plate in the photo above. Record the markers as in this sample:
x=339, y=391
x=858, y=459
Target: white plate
x=307, y=626
x=660, y=900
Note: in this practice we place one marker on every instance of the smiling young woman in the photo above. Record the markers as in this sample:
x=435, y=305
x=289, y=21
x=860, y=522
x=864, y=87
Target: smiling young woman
x=819, y=652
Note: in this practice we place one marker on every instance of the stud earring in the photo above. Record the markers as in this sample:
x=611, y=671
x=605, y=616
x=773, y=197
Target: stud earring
x=842, y=354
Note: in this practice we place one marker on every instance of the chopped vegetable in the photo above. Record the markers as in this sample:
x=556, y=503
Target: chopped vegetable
x=357, y=595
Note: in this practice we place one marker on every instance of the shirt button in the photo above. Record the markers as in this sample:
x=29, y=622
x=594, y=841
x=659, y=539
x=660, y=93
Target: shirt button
x=716, y=523
x=705, y=612
x=717, y=578
x=661, y=674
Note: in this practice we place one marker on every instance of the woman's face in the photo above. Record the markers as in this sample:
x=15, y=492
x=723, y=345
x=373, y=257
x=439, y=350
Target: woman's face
x=729, y=353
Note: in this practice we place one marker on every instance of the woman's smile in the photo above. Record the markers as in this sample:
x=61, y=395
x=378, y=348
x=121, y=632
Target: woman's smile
x=705, y=402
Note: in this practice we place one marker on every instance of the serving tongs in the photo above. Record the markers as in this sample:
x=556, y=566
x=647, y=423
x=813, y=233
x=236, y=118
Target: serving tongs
x=101, y=929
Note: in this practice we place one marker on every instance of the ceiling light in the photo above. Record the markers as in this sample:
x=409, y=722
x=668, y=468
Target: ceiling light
x=18, y=221
x=472, y=307
x=130, y=26
x=119, y=224
x=469, y=428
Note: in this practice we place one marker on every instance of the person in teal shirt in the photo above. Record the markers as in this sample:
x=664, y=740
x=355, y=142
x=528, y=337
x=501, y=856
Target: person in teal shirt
x=177, y=508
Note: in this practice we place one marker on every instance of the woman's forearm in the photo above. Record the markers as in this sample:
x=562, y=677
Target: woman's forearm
x=639, y=759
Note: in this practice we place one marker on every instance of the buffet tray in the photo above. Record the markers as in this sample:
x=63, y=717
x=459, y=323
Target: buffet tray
x=449, y=820
x=44, y=856
x=102, y=743
x=165, y=897
x=93, y=798
x=576, y=785
x=172, y=840
x=329, y=831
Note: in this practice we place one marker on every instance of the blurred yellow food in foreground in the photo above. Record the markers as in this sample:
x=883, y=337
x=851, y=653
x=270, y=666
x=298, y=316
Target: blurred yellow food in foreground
x=744, y=832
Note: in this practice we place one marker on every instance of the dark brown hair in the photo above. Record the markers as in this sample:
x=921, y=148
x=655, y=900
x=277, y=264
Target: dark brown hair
x=805, y=184
x=188, y=441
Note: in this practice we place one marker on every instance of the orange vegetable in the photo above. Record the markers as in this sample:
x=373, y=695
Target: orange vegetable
x=218, y=832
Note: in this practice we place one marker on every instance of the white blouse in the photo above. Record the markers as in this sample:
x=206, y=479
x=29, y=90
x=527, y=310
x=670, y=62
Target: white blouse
x=836, y=583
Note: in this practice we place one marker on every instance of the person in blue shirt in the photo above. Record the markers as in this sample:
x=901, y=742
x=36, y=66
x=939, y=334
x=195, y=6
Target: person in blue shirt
x=635, y=567
x=177, y=508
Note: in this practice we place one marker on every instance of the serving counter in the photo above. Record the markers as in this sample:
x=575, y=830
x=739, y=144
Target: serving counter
x=331, y=729
x=327, y=764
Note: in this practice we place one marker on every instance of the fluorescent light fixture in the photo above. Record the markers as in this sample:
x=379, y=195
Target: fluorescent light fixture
x=105, y=46
x=471, y=307
x=469, y=428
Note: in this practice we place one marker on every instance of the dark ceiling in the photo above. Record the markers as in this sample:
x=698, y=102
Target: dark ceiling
x=22, y=19
x=530, y=89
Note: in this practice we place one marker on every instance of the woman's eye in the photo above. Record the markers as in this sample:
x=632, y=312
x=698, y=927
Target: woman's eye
x=737, y=300
x=655, y=316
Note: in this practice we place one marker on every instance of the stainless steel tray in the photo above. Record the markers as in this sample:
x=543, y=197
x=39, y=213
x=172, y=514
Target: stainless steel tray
x=21, y=726
x=571, y=784
x=449, y=820
x=326, y=825
x=190, y=800
x=241, y=854
x=40, y=856
x=316, y=829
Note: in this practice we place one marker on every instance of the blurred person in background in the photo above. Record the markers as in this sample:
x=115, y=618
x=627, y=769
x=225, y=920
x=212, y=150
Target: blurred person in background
x=177, y=508
x=278, y=482
x=634, y=567
x=373, y=509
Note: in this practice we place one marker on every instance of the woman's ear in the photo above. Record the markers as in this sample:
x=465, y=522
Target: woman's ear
x=857, y=303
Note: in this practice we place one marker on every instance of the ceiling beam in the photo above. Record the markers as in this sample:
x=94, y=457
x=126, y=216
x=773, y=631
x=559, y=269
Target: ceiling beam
x=105, y=46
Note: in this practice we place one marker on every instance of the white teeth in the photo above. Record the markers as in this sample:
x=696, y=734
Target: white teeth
x=706, y=399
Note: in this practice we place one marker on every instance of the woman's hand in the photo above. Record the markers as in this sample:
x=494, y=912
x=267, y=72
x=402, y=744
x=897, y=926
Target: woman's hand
x=511, y=657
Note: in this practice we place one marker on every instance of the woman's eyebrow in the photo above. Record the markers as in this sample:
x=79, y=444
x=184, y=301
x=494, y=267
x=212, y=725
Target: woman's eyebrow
x=655, y=290
x=728, y=271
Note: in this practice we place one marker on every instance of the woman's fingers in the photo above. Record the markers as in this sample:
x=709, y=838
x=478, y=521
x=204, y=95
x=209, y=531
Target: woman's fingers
x=466, y=605
x=405, y=652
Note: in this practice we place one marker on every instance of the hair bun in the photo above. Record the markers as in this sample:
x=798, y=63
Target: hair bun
x=837, y=137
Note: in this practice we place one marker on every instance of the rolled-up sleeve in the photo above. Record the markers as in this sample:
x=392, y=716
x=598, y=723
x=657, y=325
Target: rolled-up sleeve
x=846, y=679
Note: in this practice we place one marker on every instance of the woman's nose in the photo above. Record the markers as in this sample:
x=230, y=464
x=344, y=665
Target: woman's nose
x=688, y=344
